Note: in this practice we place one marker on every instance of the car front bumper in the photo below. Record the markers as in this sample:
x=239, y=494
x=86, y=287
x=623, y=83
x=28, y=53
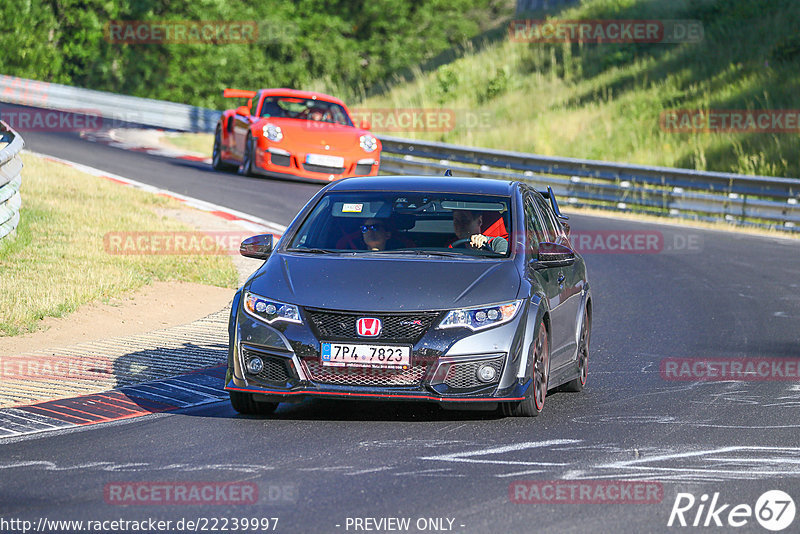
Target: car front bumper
x=444, y=367
x=279, y=162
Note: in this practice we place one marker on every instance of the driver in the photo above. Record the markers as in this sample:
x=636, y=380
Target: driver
x=316, y=114
x=467, y=225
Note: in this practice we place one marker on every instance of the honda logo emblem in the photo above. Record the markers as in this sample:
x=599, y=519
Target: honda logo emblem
x=368, y=327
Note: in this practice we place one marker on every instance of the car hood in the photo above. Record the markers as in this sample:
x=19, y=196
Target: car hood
x=385, y=283
x=316, y=135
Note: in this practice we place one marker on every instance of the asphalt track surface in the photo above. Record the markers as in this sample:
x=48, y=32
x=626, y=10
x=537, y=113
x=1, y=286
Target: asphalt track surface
x=321, y=464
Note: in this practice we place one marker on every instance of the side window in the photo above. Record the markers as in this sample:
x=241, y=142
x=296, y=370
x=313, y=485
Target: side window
x=533, y=226
x=551, y=228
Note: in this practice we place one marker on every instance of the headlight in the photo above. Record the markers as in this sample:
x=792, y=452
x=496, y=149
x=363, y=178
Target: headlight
x=272, y=132
x=368, y=143
x=269, y=310
x=482, y=317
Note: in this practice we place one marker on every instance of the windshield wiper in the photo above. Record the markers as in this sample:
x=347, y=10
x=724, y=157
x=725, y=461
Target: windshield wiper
x=416, y=252
x=311, y=250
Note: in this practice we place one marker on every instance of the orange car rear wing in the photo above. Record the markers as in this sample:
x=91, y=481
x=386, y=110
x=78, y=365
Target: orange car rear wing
x=238, y=93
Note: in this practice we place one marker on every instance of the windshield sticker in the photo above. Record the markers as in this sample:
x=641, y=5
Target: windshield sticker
x=352, y=208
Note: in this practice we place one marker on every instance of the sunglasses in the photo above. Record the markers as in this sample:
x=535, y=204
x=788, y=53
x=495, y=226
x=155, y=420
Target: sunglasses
x=367, y=227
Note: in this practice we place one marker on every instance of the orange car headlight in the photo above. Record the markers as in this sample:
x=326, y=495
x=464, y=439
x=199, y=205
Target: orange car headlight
x=368, y=143
x=272, y=132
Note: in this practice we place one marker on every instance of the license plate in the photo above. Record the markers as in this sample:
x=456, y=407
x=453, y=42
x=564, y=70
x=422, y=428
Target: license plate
x=357, y=355
x=324, y=160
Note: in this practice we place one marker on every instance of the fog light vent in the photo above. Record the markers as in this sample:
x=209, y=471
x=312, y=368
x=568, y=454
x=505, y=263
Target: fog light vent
x=255, y=365
x=486, y=373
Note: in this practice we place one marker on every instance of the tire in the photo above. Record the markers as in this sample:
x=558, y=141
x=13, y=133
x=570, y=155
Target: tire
x=245, y=404
x=540, y=375
x=575, y=385
x=216, y=154
x=249, y=156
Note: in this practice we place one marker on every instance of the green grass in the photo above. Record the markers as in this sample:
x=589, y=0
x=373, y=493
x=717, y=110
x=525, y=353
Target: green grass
x=56, y=261
x=604, y=101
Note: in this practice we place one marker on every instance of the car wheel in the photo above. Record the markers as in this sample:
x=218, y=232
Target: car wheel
x=577, y=384
x=245, y=404
x=540, y=374
x=249, y=155
x=216, y=154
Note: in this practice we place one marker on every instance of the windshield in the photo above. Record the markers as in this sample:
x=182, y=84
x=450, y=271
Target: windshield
x=304, y=109
x=407, y=223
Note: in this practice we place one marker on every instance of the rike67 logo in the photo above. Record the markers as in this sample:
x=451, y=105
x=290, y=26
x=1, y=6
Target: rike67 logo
x=774, y=510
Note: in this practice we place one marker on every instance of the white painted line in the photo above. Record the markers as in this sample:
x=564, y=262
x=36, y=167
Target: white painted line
x=326, y=468
x=677, y=455
x=29, y=419
x=203, y=386
x=757, y=460
x=465, y=457
x=500, y=450
x=423, y=471
x=365, y=471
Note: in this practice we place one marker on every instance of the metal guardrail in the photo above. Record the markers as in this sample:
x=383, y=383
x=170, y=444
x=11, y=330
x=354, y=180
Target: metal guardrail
x=10, y=179
x=117, y=108
x=712, y=196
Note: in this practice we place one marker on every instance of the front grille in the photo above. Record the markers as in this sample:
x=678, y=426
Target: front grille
x=280, y=159
x=363, y=169
x=465, y=375
x=358, y=376
x=275, y=369
x=323, y=169
x=397, y=327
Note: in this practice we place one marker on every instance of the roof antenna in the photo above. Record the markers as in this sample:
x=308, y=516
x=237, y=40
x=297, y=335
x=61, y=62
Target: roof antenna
x=448, y=172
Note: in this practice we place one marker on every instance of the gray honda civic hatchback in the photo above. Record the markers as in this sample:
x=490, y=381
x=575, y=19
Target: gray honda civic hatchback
x=460, y=291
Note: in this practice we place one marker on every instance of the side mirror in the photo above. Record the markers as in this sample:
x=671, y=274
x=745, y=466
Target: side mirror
x=258, y=246
x=244, y=111
x=553, y=255
x=365, y=124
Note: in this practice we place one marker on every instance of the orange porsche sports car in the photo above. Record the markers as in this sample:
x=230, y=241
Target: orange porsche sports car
x=289, y=133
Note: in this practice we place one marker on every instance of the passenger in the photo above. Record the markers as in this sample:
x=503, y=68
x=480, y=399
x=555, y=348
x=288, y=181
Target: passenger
x=376, y=234
x=467, y=225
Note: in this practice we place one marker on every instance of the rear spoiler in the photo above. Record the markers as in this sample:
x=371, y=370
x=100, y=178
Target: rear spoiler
x=238, y=93
x=552, y=197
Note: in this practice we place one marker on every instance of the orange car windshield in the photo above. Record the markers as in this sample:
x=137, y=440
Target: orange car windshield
x=304, y=109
